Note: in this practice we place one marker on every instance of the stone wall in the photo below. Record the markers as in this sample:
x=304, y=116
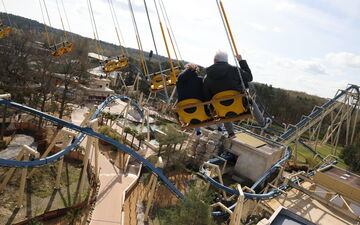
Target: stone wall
x=207, y=146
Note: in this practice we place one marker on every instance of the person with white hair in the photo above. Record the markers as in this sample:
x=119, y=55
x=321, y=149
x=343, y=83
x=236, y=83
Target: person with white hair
x=221, y=76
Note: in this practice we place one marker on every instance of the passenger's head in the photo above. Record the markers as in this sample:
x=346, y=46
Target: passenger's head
x=220, y=56
x=192, y=67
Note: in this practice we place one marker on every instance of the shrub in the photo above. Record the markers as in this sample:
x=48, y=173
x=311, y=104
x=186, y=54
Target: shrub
x=351, y=156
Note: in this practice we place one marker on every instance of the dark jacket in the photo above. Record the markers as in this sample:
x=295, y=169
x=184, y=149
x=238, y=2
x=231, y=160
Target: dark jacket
x=222, y=77
x=189, y=85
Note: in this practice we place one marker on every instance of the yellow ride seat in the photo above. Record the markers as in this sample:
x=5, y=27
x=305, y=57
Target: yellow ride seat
x=157, y=82
x=171, y=79
x=58, y=52
x=4, y=32
x=192, y=115
x=68, y=48
x=115, y=64
x=61, y=48
x=231, y=107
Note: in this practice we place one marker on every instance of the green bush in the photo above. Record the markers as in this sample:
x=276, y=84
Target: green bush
x=351, y=156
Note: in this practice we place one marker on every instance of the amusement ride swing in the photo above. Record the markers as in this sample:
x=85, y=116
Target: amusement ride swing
x=159, y=81
x=5, y=30
x=121, y=61
x=225, y=106
x=57, y=49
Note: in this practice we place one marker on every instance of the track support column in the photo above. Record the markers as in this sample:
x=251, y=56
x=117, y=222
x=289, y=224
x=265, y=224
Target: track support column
x=66, y=141
x=89, y=142
x=153, y=182
x=27, y=152
x=236, y=215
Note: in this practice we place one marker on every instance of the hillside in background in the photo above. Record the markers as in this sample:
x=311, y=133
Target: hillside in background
x=38, y=30
x=287, y=106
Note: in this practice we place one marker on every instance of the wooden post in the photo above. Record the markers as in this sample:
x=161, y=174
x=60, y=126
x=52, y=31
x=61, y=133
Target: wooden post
x=236, y=215
x=27, y=151
x=95, y=128
x=148, y=124
x=4, y=96
x=10, y=172
x=22, y=182
x=152, y=184
x=66, y=141
x=86, y=159
x=141, y=99
x=125, y=118
x=354, y=127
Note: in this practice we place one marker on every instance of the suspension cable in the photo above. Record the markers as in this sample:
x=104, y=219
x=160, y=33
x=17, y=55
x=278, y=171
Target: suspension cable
x=62, y=23
x=167, y=28
x=46, y=30
x=166, y=45
x=167, y=18
x=66, y=17
x=47, y=13
x=156, y=50
x=7, y=14
x=117, y=23
x=116, y=30
x=96, y=34
x=143, y=62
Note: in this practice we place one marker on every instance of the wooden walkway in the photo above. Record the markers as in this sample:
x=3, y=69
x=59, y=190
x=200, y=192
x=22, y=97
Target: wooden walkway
x=113, y=185
x=309, y=208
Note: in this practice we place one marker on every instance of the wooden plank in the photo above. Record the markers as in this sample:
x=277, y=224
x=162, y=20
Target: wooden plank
x=249, y=140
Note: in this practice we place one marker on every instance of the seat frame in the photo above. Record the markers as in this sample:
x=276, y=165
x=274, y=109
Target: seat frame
x=216, y=119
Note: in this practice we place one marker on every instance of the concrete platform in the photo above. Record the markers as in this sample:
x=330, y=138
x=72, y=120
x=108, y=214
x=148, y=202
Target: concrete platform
x=255, y=156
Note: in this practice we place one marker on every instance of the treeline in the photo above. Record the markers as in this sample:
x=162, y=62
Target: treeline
x=286, y=106
x=35, y=78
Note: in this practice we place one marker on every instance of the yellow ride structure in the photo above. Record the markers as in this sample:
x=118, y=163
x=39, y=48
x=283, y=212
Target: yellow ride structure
x=4, y=30
x=226, y=106
x=115, y=64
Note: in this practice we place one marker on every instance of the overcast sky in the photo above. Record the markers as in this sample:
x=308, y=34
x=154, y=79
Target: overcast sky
x=303, y=45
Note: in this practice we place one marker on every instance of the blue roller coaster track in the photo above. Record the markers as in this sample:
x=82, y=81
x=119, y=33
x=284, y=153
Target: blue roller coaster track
x=83, y=132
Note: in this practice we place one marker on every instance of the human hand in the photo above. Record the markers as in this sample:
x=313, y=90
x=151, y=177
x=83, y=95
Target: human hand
x=238, y=57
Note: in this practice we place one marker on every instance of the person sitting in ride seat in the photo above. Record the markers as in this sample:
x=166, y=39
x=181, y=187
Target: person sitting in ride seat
x=190, y=85
x=221, y=76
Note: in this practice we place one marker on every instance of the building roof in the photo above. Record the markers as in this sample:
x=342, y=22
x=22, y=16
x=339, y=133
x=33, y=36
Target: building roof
x=97, y=56
x=97, y=71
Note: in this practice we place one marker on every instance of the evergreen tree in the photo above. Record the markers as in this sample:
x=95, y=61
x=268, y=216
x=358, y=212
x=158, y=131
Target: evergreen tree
x=195, y=209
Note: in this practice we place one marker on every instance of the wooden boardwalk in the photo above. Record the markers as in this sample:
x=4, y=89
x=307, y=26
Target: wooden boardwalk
x=309, y=208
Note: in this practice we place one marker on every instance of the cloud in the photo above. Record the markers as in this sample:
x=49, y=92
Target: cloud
x=345, y=59
x=264, y=28
x=314, y=66
x=258, y=27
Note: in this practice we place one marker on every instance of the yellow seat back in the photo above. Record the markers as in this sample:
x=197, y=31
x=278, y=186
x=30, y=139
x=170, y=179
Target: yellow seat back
x=114, y=65
x=192, y=115
x=172, y=80
x=68, y=48
x=229, y=108
x=4, y=32
x=122, y=62
x=157, y=82
x=58, y=52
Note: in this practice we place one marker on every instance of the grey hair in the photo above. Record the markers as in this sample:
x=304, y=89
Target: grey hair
x=220, y=56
